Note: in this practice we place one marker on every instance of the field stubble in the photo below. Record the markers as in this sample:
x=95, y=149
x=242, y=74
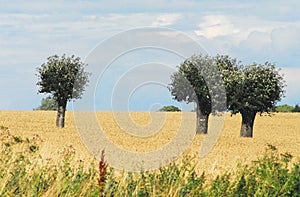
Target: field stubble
x=281, y=130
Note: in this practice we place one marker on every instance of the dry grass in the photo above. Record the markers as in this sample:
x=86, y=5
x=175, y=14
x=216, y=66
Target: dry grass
x=281, y=130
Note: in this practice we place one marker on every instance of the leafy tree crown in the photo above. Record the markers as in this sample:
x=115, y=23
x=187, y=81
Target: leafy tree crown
x=198, y=80
x=258, y=88
x=59, y=75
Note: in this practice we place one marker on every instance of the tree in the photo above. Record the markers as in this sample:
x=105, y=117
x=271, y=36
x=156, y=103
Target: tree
x=199, y=80
x=58, y=77
x=284, y=108
x=296, y=108
x=258, y=88
x=169, y=108
x=48, y=103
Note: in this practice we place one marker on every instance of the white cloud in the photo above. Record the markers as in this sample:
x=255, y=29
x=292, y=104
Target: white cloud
x=166, y=20
x=62, y=24
x=31, y=31
x=250, y=34
x=280, y=42
x=257, y=38
x=234, y=28
x=45, y=34
x=216, y=25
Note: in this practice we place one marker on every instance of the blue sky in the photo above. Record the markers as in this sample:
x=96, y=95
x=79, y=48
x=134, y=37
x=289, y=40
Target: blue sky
x=30, y=31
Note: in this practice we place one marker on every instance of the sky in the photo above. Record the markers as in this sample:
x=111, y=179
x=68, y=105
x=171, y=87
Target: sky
x=31, y=31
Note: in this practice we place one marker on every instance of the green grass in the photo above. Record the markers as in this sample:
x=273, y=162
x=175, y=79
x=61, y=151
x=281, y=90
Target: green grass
x=22, y=174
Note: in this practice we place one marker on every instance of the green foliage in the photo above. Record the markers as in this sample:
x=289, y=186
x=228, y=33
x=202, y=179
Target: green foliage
x=296, y=108
x=220, y=186
x=169, y=108
x=284, y=108
x=199, y=79
x=48, y=103
x=251, y=88
x=207, y=81
x=273, y=174
x=171, y=180
x=63, y=77
x=258, y=88
x=268, y=176
x=21, y=173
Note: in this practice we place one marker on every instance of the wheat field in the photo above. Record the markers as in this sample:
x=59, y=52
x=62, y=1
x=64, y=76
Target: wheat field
x=281, y=130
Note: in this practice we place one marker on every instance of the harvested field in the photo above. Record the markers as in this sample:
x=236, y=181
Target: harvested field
x=281, y=130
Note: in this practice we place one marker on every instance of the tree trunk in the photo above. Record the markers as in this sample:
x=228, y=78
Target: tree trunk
x=202, y=121
x=247, y=124
x=60, y=119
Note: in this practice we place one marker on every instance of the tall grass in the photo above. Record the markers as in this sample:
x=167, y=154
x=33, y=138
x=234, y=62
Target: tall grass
x=22, y=173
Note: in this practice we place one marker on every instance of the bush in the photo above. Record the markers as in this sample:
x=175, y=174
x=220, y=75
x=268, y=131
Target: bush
x=296, y=108
x=287, y=108
x=284, y=108
x=48, y=103
x=169, y=108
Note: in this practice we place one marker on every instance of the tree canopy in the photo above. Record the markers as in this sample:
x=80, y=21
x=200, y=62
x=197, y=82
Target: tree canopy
x=63, y=77
x=250, y=89
x=257, y=89
x=200, y=79
x=169, y=108
x=48, y=103
x=296, y=108
x=284, y=108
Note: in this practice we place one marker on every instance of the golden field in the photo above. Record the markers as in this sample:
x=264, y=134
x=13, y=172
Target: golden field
x=281, y=130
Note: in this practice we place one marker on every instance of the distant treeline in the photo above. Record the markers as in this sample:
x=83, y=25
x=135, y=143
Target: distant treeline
x=287, y=108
